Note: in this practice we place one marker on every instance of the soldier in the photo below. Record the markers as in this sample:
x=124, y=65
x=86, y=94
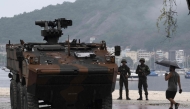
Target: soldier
x=142, y=71
x=124, y=72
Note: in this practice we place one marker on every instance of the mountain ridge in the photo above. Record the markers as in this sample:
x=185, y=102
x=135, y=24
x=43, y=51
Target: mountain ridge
x=125, y=23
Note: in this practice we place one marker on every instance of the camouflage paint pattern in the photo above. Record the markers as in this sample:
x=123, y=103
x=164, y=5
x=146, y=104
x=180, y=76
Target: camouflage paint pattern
x=64, y=79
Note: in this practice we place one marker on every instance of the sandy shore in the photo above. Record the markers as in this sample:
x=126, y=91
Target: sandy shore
x=155, y=98
x=4, y=91
x=154, y=95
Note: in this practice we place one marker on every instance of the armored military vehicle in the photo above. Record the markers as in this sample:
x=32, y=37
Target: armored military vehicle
x=67, y=75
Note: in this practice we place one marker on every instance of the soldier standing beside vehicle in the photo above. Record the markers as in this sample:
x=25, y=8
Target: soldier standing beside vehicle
x=142, y=71
x=124, y=72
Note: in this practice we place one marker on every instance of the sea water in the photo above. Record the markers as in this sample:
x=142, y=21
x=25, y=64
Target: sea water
x=156, y=83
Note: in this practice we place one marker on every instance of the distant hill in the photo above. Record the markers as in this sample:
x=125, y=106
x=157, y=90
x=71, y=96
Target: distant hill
x=119, y=22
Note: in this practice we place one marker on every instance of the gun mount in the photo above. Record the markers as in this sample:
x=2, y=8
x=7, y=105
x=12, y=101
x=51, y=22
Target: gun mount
x=52, y=29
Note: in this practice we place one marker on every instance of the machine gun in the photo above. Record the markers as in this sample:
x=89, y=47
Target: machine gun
x=52, y=29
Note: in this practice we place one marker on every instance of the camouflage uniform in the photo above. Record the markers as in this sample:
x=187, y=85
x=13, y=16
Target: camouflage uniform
x=143, y=79
x=124, y=70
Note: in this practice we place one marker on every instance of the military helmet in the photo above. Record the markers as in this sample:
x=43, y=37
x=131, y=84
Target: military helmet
x=123, y=60
x=142, y=59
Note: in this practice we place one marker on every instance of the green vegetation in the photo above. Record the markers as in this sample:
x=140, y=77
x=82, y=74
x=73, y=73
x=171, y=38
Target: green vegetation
x=123, y=22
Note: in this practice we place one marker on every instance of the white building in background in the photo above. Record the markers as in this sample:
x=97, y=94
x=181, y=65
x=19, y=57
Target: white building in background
x=111, y=50
x=172, y=55
x=118, y=60
x=179, y=55
x=143, y=54
x=166, y=55
x=127, y=49
x=159, y=54
x=132, y=55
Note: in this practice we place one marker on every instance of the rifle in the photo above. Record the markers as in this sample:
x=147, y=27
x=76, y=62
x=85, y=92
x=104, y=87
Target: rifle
x=142, y=71
x=123, y=75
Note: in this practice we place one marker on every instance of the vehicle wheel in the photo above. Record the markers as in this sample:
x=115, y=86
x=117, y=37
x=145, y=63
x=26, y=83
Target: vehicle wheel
x=13, y=94
x=29, y=101
x=107, y=102
x=20, y=96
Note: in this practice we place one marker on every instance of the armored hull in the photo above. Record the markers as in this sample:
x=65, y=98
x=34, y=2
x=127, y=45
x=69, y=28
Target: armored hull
x=61, y=75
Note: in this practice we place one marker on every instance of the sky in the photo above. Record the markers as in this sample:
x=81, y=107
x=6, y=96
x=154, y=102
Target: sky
x=9, y=8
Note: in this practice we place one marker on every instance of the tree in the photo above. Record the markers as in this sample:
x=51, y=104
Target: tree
x=168, y=14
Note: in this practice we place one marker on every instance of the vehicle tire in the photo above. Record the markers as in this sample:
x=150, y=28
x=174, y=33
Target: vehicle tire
x=20, y=96
x=13, y=94
x=107, y=102
x=29, y=101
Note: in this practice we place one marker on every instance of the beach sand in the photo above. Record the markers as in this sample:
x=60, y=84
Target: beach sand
x=156, y=98
x=4, y=91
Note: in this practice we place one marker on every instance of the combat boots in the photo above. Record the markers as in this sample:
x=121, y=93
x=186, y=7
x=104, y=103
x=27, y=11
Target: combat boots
x=146, y=97
x=140, y=98
x=127, y=98
x=127, y=95
x=120, y=98
x=120, y=95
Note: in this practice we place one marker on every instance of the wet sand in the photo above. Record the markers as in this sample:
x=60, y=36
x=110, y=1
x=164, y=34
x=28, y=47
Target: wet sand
x=156, y=100
x=117, y=104
x=140, y=107
x=5, y=102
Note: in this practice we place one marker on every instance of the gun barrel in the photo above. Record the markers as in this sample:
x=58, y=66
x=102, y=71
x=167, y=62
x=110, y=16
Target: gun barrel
x=40, y=23
x=52, y=29
x=65, y=23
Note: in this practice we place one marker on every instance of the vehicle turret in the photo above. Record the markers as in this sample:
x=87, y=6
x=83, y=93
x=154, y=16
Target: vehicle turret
x=52, y=29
